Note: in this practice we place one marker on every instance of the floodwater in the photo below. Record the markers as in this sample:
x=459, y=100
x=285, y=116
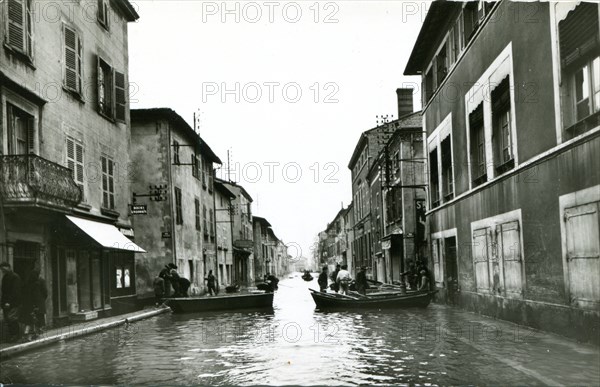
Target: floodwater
x=296, y=344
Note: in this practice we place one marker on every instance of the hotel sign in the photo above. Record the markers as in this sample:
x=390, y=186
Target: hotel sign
x=139, y=209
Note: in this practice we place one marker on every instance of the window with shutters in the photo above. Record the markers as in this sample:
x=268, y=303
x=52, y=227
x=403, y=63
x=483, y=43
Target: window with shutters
x=502, y=141
x=447, y=175
x=583, y=254
x=197, y=213
x=176, y=152
x=105, y=88
x=73, y=62
x=211, y=226
x=481, y=251
x=75, y=160
x=477, y=143
x=19, y=31
x=178, y=206
x=103, y=13
x=429, y=86
x=434, y=178
x=204, y=222
x=108, y=182
x=194, y=166
x=210, y=178
x=441, y=63
x=203, y=169
x=579, y=45
x=21, y=131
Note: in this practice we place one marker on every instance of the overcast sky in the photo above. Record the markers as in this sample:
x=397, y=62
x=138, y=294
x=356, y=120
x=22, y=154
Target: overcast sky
x=305, y=90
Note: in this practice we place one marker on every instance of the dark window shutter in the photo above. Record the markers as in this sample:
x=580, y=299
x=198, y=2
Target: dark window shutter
x=71, y=58
x=579, y=34
x=120, y=96
x=16, y=24
x=30, y=135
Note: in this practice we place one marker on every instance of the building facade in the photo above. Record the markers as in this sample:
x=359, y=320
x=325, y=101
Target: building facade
x=512, y=139
x=242, y=234
x=224, y=233
x=64, y=154
x=173, y=181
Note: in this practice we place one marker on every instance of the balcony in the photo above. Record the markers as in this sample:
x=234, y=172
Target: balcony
x=30, y=180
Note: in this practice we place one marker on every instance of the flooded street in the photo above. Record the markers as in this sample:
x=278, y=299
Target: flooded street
x=295, y=344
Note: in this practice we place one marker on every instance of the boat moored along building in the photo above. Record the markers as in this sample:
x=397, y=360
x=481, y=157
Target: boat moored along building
x=64, y=155
x=512, y=138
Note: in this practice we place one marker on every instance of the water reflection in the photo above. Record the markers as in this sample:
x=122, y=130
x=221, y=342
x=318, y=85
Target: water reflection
x=295, y=344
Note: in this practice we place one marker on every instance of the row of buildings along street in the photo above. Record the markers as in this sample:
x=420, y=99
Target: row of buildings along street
x=494, y=186
x=79, y=170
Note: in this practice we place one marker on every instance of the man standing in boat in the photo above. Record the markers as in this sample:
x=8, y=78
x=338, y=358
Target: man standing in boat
x=323, y=279
x=361, y=281
x=211, y=281
x=343, y=279
x=334, y=275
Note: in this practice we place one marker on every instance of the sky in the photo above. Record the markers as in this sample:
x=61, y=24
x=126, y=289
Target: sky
x=286, y=87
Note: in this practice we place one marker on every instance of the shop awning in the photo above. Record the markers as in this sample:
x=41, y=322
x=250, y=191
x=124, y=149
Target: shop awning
x=106, y=235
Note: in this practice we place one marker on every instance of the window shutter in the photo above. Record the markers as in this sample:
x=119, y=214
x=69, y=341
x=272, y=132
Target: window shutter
x=16, y=24
x=583, y=254
x=481, y=244
x=29, y=29
x=119, y=96
x=30, y=136
x=578, y=34
x=100, y=83
x=101, y=13
x=71, y=58
x=510, y=248
x=79, y=161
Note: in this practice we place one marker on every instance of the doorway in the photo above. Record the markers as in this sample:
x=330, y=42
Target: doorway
x=451, y=270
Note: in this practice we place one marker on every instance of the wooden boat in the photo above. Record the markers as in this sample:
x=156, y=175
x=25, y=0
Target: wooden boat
x=372, y=301
x=222, y=302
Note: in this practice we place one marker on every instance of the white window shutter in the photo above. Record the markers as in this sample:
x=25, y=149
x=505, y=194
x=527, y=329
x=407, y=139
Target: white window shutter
x=583, y=254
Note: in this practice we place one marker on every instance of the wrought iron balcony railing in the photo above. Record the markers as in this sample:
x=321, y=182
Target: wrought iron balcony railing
x=30, y=180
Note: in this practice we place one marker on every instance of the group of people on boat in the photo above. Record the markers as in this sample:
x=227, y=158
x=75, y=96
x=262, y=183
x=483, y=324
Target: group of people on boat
x=307, y=276
x=417, y=276
x=169, y=278
x=342, y=281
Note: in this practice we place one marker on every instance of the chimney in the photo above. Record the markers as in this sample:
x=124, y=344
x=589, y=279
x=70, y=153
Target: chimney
x=405, y=101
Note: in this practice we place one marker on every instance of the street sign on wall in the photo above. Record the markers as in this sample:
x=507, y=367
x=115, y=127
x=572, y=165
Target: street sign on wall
x=139, y=209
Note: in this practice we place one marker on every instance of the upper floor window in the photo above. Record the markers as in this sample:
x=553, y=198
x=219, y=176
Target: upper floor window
x=73, y=60
x=502, y=134
x=176, y=152
x=103, y=13
x=197, y=213
x=477, y=151
x=108, y=182
x=441, y=63
x=580, y=65
x=19, y=34
x=204, y=222
x=111, y=91
x=20, y=131
x=434, y=182
x=75, y=154
x=178, y=206
x=447, y=178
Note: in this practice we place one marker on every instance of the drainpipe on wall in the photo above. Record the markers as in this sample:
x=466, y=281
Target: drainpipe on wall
x=170, y=197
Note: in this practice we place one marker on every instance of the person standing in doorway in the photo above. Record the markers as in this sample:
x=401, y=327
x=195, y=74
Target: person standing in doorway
x=34, y=305
x=11, y=301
